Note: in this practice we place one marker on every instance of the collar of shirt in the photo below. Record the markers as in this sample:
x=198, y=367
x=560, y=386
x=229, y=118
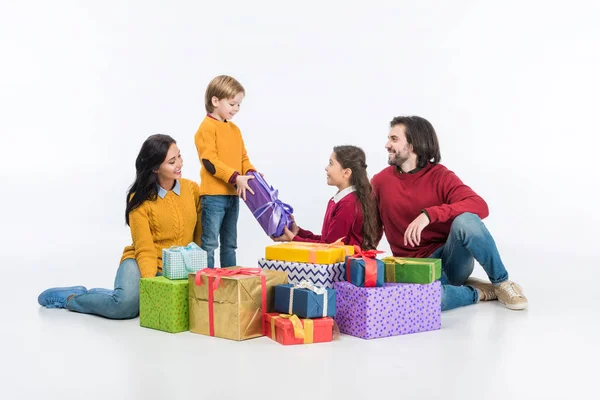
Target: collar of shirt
x=414, y=171
x=343, y=193
x=210, y=116
x=176, y=189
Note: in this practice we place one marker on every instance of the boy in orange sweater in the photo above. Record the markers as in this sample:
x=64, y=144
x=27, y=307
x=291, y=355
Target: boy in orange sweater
x=223, y=167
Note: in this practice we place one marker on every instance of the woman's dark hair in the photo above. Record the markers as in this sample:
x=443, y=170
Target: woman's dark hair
x=421, y=135
x=151, y=156
x=354, y=158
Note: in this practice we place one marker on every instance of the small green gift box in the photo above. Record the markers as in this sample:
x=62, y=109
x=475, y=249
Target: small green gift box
x=412, y=270
x=164, y=304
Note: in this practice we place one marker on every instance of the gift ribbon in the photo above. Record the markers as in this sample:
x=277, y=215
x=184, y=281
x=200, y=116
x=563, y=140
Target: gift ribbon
x=306, y=332
x=368, y=256
x=214, y=279
x=314, y=247
x=281, y=211
x=312, y=287
x=400, y=261
x=184, y=251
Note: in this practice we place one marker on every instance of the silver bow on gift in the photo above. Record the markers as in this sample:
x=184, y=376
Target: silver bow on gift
x=320, y=290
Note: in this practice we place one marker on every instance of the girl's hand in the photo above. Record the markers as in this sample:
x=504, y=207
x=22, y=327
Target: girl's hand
x=294, y=227
x=287, y=236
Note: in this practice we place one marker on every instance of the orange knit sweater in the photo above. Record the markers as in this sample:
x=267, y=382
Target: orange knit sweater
x=222, y=152
x=170, y=221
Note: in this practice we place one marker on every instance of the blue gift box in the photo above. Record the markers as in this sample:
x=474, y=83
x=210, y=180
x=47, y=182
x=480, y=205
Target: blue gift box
x=355, y=268
x=305, y=300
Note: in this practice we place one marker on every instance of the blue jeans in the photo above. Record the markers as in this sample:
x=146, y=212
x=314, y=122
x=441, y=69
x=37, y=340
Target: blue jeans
x=469, y=239
x=219, y=222
x=123, y=302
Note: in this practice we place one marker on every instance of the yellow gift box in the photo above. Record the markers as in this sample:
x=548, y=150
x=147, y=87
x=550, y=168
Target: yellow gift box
x=230, y=305
x=312, y=253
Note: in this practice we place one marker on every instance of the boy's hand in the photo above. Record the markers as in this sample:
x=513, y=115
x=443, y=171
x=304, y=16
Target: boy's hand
x=241, y=183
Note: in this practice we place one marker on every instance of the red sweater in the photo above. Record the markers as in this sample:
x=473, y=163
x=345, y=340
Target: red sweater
x=342, y=219
x=402, y=197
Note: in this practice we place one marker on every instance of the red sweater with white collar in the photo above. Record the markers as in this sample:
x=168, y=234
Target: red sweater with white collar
x=343, y=218
x=401, y=197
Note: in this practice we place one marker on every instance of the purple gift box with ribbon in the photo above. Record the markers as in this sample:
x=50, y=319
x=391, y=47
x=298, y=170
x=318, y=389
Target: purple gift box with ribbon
x=391, y=310
x=271, y=213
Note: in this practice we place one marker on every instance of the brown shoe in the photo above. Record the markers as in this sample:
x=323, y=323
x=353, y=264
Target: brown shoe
x=486, y=290
x=511, y=295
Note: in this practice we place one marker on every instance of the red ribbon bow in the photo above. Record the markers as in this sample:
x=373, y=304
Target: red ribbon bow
x=214, y=279
x=368, y=256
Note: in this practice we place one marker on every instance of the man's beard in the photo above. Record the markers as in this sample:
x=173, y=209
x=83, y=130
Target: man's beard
x=397, y=160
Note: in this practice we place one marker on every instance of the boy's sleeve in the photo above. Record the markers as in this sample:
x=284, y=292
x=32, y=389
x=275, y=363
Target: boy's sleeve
x=206, y=144
x=145, y=252
x=246, y=164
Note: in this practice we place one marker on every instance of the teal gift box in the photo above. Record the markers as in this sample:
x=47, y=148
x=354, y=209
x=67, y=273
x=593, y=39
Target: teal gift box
x=179, y=261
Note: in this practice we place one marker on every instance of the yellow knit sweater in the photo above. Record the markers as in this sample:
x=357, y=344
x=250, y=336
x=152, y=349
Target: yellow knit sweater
x=170, y=221
x=222, y=152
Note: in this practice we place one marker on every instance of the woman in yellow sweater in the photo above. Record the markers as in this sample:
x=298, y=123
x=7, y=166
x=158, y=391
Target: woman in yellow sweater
x=162, y=211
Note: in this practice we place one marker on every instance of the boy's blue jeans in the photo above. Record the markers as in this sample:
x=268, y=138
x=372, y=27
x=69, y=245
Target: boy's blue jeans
x=468, y=240
x=219, y=223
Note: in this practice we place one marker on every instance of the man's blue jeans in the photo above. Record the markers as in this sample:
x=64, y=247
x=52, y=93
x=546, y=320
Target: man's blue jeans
x=468, y=240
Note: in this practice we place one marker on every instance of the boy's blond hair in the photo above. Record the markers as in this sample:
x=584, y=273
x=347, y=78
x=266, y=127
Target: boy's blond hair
x=221, y=87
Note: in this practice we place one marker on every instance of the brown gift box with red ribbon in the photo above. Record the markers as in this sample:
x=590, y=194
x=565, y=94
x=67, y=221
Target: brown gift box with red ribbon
x=230, y=303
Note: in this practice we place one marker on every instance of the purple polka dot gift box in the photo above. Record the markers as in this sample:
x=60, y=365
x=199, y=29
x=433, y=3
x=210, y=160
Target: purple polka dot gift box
x=392, y=310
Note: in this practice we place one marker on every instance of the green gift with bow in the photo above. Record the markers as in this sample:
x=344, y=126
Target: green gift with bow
x=412, y=270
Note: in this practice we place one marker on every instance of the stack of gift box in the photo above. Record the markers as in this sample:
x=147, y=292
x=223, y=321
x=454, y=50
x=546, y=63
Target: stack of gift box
x=164, y=299
x=302, y=293
x=374, y=297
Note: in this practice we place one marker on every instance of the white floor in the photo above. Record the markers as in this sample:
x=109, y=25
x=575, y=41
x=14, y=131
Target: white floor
x=482, y=352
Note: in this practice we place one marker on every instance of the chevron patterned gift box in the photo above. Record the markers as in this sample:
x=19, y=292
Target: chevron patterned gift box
x=318, y=274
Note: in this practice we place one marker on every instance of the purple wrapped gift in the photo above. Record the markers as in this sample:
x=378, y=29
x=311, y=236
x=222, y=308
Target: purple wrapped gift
x=391, y=310
x=271, y=213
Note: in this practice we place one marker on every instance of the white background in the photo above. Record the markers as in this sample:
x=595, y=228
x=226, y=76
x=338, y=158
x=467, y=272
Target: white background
x=511, y=88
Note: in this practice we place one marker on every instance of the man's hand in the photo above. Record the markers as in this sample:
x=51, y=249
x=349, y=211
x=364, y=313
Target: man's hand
x=412, y=236
x=241, y=183
x=287, y=236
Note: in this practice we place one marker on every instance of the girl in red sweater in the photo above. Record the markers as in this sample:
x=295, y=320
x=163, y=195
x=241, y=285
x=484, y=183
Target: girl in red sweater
x=351, y=214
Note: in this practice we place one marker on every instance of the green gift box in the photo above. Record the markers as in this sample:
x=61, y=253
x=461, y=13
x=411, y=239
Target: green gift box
x=412, y=270
x=164, y=304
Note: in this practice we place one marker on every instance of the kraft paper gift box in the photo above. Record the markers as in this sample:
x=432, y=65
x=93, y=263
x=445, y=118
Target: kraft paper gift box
x=312, y=253
x=164, y=304
x=179, y=261
x=412, y=270
x=318, y=274
x=271, y=213
x=230, y=303
x=363, y=269
x=391, y=310
x=289, y=329
x=305, y=300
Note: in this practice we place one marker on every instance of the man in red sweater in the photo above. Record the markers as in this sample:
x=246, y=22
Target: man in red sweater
x=426, y=211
